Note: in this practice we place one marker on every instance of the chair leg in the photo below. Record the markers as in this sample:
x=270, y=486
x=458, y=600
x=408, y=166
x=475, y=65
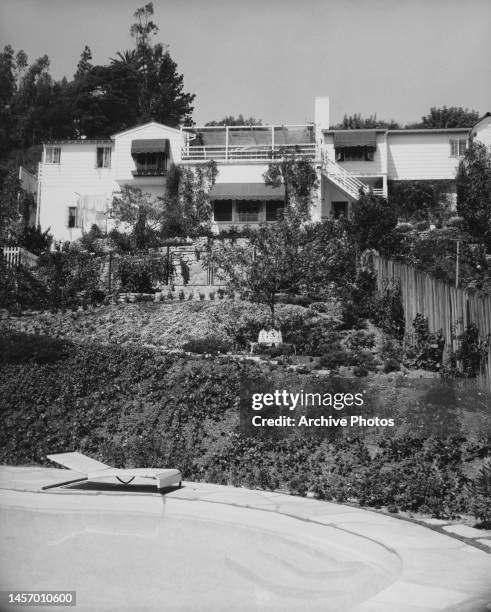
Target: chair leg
x=125, y=482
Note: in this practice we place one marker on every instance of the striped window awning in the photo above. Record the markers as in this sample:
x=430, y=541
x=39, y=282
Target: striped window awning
x=246, y=191
x=355, y=138
x=150, y=145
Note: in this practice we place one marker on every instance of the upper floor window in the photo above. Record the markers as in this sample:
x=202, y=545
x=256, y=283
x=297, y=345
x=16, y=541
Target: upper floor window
x=458, y=147
x=355, y=154
x=103, y=158
x=150, y=155
x=73, y=220
x=150, y=164
x=52, y=155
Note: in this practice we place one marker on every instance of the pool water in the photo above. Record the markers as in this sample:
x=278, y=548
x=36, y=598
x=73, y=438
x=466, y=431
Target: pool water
x=191, y=555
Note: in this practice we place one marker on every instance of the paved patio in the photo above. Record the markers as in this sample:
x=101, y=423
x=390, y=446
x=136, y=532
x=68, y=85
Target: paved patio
x=209, y=547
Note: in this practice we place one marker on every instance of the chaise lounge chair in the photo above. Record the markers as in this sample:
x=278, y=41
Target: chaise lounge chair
x=93, y=470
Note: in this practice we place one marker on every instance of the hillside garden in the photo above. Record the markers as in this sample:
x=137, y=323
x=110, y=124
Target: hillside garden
x=168, y=381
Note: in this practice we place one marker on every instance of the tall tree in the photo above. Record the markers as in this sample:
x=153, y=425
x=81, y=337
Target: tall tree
x=239, y=120
x=447, y=117
x=84, y=65
x=270, y=264
x=474, y=191
x=373, y=220
x=161, y=86
x=357, y=122
x=10, y=213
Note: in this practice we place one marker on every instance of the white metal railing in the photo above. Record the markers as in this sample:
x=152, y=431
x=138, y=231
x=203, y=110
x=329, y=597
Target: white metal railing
x=379, y=192
x=248, y=152
x=16, y=256
x=341, y=177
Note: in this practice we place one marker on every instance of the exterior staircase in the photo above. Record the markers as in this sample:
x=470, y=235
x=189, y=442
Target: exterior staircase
x=341, y=177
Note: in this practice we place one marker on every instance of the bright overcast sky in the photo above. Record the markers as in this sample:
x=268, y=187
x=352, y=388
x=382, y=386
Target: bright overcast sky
x=269, y=58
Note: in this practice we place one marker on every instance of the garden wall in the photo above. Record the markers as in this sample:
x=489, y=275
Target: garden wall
x=445, y=307
x=199, y=273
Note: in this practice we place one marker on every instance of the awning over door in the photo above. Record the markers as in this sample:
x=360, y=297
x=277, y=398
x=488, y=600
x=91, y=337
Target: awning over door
x=150, y=145
x=246, y=191
x=355, y=138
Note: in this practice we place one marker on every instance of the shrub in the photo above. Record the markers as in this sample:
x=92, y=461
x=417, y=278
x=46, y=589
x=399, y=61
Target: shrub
x=336, y=357
x=360, y=339
x=275, y=351
x=472, y=351
x=363, y=294
x=373, y=220
x=391, y=365
x=297, y=300
x=427, y=350
x=388, y=308
x=18, y=347
x=480, y=491
x=140, y=273
x=351, y=317
x=210, y=346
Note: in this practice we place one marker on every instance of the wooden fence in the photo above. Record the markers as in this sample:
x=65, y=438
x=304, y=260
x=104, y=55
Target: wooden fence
x=445, y=307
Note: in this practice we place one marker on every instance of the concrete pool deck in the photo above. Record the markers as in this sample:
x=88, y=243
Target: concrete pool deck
x=211, y=547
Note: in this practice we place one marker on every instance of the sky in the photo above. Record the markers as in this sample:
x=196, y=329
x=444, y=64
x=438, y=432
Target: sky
x=269, y=58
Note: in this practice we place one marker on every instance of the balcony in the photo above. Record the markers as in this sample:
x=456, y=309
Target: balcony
x=248, y=143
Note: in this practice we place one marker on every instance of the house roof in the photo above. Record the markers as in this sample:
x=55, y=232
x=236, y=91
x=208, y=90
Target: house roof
x=145, y=125
x=480, y=120
x=429, y=131
x=402, y=131
x=100, y=141
x=374, y=131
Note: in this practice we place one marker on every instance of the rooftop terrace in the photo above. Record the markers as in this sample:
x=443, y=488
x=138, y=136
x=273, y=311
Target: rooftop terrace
x=248, y=142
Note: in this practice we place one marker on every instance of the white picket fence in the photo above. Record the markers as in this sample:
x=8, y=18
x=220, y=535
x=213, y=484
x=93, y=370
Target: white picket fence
x=18, y=256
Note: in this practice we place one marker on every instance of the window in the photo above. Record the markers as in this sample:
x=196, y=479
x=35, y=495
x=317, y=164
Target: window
x=355, y=154
x=458, y=147
x=52, y=155
x=103, y=157
x=248, y=211
x=150, y=164
x=72, y=216
x=222, y=210
x=274, y=210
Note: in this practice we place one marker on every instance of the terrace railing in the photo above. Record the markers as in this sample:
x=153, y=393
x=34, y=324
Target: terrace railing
x=248, y=142
x=247, y=153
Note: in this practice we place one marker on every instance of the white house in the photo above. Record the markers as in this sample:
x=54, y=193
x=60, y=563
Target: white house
x=77, y=179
